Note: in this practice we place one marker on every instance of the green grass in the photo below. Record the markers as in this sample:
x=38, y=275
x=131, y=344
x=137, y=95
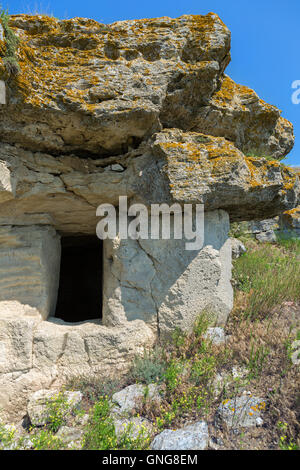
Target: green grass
x=270, y=275
x=269, y=158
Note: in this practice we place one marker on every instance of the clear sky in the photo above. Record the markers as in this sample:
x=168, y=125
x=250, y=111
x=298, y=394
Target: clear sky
x=265, y=38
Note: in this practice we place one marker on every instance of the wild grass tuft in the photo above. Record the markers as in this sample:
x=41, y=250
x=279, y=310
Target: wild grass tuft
x=269, y=275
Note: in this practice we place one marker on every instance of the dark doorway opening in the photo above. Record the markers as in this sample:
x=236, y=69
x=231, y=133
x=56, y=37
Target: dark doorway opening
x=80, y=285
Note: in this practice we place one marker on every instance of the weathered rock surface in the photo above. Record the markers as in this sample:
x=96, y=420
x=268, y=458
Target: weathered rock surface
x=192, y=437
x=71, y=436
x=130, y=397
x=39, y=355
x=134, y=428
x=237, y=247
x=212, y=171
x=29, y=270
x=290, y=221
x=64, y=191
x=286, y=225
x=215, y=335
x=39, y=402
x=166, y=285
x=238, y=114
x=138, y=76
x=244, y=411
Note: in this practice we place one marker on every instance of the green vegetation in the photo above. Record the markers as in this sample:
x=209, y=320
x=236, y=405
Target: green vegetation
x=7, y=436
x=285, y=443
x=58, y=408
x=149, y=368
x=93, y=388
x=101, y=435
x=269, y=274
x=10, y=58
x=45, y=440
x=269, y=158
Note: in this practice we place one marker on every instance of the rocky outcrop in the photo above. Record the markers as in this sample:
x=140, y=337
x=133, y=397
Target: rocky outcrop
x=192, y=437
x=139, y=77
x=287, y=225
x=39, y=405
x=238, y=114
x=290, y=221
x=106, y=87
x=141, y=109
x=64, y=191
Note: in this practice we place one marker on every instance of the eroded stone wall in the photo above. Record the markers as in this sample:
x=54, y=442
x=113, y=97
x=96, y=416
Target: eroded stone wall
x=37, y=354
x=167, y=286
x=29, y=270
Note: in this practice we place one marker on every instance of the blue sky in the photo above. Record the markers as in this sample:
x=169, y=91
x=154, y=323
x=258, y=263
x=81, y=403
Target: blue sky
x=265, y=39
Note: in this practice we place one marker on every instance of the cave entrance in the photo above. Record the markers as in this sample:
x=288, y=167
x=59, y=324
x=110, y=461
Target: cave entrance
x=80, y=284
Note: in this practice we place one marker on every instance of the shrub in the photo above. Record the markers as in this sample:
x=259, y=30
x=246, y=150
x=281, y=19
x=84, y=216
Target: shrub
x=93, y=388
x=57, y=409
x=11, y=43
x=149, y=368
x=6, y=436
x=100, y=432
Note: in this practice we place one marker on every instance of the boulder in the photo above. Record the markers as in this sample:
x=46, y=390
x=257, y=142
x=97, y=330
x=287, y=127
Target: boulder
x=38, y=406
x=290, y=222
x=268, y=236
x=192, y=437
x=244, y=411
x=134, y=428
x=215, y=335
x=238, y=248
x=128, y=398
x=71, y=436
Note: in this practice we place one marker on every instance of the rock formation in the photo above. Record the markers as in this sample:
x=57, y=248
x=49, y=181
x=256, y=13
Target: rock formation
x=141, y=109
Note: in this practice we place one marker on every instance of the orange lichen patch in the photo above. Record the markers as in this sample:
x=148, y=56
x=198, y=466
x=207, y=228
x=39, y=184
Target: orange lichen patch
x=289, y=176
x=230, y=90
x=54, y=53
x=293, y=212
x=292, y=217
x=241, y=97
x=255, y=176
x=259, y=169
x=2, y=48
x=198, y=155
